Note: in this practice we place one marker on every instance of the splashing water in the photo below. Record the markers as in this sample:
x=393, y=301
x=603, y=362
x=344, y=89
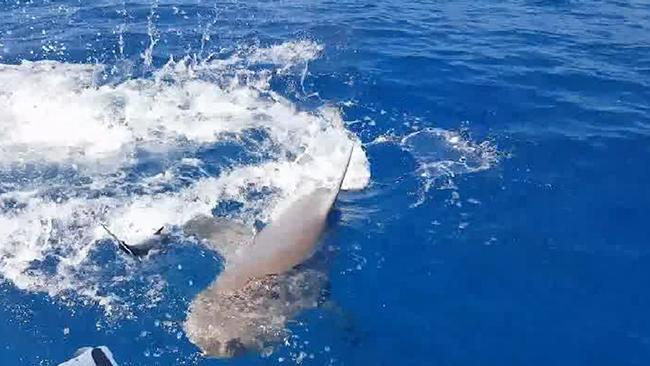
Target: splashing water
x=154, y=36
x=75, y=152
x=441, y=155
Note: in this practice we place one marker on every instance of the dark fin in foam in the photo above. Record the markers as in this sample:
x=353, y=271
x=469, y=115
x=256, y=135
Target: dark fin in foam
x=124, y=247
x=159, y=231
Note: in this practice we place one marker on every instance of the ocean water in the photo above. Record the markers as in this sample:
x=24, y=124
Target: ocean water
x=493, y=213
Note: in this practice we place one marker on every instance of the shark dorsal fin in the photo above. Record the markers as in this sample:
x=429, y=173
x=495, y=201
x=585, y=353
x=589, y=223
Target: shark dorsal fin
x=159, y=231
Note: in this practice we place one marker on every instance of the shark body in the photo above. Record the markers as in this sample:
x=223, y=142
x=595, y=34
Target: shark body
x=263, y=284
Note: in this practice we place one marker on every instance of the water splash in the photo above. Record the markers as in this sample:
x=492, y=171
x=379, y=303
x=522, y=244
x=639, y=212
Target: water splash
x=442, y=155
x=207, y=30
x=153, y=33
x=121, y=29
x=147, y=152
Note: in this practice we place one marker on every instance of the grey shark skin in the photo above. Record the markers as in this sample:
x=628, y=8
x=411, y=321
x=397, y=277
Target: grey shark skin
x=262, y=285
x=252, y=318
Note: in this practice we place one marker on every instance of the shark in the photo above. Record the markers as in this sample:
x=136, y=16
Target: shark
x=265, y=282
x=267, y=279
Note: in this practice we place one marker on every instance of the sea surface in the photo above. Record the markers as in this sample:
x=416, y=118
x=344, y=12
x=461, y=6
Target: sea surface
x=494, y=213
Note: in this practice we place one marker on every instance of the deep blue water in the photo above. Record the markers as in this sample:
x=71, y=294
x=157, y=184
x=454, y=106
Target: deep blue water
x=540, y=258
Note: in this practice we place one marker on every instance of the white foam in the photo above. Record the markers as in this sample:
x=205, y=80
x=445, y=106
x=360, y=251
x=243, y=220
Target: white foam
x=50, y=112
x=56, y=115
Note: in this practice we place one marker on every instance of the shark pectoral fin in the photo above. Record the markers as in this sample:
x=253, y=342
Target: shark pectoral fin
x=221, y=235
